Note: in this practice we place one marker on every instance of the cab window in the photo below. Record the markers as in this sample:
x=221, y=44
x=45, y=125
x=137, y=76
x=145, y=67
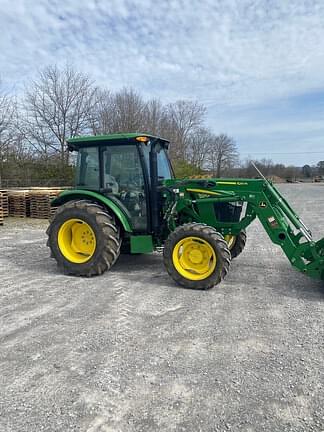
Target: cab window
x=123, y=177
x=87, y=169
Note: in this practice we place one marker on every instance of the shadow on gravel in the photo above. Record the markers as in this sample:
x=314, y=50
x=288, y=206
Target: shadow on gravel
x=302, y=287
x=136, y=262
x=149, y=267
x=280, y=278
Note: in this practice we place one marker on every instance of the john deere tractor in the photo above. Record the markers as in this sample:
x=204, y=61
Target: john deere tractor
x=126, y=200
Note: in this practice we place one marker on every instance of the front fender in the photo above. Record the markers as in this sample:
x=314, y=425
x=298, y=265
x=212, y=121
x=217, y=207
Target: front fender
x=73, y=194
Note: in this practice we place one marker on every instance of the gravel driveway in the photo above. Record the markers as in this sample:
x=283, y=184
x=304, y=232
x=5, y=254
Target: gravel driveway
x=129, y=351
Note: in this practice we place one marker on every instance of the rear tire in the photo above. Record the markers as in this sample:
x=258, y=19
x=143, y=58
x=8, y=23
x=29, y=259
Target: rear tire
x=84, y=238
x=196, y=256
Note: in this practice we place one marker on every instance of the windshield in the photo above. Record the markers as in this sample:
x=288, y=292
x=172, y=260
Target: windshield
x=164, y=168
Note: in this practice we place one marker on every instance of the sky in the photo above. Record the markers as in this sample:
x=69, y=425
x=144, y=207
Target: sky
x=257, y=65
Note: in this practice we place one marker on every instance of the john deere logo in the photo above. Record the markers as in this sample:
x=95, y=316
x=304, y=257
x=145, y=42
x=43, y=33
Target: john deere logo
x=263, y=204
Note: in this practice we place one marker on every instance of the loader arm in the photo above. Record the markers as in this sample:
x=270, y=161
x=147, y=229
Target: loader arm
x=196, y=200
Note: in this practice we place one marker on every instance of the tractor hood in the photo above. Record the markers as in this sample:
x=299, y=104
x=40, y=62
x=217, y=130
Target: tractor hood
x=208, y=186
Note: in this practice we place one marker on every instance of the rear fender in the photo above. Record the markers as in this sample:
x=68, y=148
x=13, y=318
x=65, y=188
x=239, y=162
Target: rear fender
x=74, y=194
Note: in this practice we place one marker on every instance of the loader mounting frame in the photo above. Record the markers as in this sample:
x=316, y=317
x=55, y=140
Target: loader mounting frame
x=195, y=200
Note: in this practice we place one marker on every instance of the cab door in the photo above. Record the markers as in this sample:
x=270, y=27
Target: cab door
x=124, y=179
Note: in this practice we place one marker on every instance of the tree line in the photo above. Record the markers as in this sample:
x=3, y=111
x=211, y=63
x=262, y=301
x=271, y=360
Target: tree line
x=64, y=103
x=278, y=171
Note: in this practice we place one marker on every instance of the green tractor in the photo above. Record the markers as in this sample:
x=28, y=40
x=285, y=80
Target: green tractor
x=126, y=200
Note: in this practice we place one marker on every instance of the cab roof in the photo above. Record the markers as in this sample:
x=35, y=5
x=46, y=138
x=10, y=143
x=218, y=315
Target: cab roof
x=118, y=138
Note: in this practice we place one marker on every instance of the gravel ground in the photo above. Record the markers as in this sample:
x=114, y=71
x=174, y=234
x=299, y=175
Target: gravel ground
x=130, y=351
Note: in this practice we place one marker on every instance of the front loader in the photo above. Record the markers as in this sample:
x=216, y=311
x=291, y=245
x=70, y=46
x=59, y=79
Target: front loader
x=126, y=200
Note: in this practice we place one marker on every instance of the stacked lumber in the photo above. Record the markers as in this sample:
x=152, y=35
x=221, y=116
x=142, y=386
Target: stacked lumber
x=40, y=202
x=1, y=212
x=4, y=203
x=19, y=203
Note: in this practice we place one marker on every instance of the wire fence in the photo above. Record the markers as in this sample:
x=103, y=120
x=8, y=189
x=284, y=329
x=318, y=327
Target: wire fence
x=27, y=183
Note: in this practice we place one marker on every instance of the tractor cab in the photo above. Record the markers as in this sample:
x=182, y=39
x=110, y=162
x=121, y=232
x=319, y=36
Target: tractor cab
x=125, y=168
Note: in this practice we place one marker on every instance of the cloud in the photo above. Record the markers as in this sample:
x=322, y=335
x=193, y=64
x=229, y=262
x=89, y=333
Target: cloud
x=226, y=53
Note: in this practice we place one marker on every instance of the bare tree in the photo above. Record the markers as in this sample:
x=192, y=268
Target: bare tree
x=126, y=111
x=155, y=117
x=223, y=154
x=58, y=105
x=320, y=167
x=63, y=103
x=199, y=147
x=266, y=166
x=291, y=172
x=101, y=119
x=123, y=111
x=128, y=108
x=182, y=119
x=307, y=171
x=7, y=117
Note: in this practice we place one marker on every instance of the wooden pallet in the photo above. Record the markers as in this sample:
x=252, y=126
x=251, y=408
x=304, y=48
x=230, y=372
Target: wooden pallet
x=4, y=202
x=19, y=203
x=40, y=202
x=1, y=216
x=53, y=211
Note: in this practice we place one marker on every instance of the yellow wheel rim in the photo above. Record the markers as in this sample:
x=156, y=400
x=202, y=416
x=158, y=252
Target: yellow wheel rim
x=76, y=241
x=194, y=258
x=230, y=240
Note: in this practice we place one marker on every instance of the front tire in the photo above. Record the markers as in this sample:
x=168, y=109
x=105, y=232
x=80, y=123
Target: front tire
x=236, y=244
x=84, y=238
x=196, y=256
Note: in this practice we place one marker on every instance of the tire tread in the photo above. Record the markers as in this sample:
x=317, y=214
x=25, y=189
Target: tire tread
x=110, y=232
x=209, y=232
x=239, y=244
